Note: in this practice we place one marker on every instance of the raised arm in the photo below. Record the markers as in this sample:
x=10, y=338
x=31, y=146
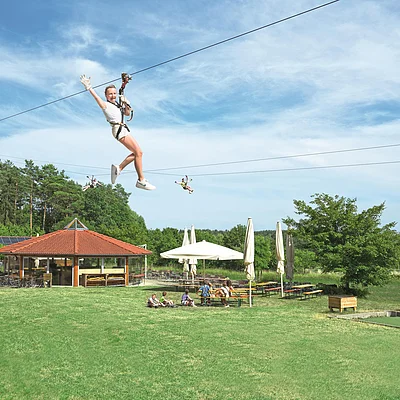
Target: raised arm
x=86, y=82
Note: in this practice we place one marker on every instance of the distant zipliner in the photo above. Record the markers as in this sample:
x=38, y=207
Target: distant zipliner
x=93, y=182
x=185, y=184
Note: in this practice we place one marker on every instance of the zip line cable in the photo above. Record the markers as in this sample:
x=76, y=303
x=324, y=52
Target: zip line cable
x=287, y=169
x=177, y=58
x=220, y=163
x=268, y=170
x=57, y=163
x=277, y=157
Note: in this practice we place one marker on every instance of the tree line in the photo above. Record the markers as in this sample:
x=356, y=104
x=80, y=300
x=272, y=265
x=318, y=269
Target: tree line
x=330, y=234
x=42, y=199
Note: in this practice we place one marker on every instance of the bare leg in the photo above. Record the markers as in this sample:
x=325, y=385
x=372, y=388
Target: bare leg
x=132, y=145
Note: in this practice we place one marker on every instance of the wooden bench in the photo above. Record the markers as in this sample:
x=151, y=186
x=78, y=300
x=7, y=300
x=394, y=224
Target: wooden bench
x=289, y=293
x=115, y=280
x=238, y=298
x=244, y=291
x=312, y=293
x=233, y=300
x=103, y=280
x=270, y=290
x=92, y=280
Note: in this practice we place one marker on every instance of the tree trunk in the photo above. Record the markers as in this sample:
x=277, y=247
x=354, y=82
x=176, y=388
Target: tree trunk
x=44, y=215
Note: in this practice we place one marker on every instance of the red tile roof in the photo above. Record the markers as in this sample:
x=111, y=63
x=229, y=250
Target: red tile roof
x=74, y=242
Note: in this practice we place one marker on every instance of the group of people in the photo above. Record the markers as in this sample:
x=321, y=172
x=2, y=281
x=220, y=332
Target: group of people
x=153, y=302
x=205, y=292
x=224, y=292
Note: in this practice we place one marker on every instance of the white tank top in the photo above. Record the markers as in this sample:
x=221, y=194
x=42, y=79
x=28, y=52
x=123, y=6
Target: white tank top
x=112, y=113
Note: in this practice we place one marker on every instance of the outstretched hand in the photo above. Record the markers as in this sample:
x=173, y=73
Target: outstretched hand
x=86, y=82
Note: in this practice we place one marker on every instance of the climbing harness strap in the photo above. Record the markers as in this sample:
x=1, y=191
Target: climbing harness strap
x=121, y=124
x=125, y=80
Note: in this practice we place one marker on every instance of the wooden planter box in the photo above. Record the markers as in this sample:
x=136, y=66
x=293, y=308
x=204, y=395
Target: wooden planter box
x=341, y=302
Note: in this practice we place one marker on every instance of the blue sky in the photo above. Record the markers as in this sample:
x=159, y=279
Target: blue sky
x=324, y=81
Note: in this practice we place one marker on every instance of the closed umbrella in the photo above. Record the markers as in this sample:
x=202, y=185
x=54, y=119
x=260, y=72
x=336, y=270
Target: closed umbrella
x=193, y=261
x=280, y=253
x=249, y=254
x=289, y=257
x=185, y=261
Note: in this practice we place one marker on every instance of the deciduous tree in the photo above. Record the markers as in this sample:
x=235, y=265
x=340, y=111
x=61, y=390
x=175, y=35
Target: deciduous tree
x=345, y=240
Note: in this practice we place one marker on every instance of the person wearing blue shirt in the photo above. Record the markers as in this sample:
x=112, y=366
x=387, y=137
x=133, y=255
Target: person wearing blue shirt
x=205, y=293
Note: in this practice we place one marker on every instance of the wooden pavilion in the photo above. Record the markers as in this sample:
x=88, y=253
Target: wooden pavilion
x=72, y=244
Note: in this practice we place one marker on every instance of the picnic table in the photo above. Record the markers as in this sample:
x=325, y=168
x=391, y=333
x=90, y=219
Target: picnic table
x=303, y=286
x=269, y=283
x=236, y=297
x=267, y=288
x=304, y=291
x=297, y=290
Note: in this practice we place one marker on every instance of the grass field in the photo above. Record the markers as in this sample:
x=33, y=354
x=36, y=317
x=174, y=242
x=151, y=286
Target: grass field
x=393, y=321
x=103, y=343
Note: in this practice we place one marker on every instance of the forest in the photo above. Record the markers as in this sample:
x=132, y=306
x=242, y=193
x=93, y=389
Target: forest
x=331, y=235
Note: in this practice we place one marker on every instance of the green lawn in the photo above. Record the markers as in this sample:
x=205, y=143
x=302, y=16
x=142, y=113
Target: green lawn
x=393, y=321
x=103, y=343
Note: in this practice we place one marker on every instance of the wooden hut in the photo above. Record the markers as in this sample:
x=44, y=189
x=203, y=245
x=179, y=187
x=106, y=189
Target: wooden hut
x=65, y=248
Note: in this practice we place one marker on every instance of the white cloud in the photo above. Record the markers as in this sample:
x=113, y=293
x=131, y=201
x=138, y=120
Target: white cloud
x=84, y=38
x=312, y=84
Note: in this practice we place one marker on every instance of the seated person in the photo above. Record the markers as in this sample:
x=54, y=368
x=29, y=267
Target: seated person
x=205, y=294
x=225, y=292
x=153, y=302
x=187, y=300
x=165, y=301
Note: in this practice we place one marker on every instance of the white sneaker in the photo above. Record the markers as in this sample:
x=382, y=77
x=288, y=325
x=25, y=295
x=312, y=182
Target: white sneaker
x=115, y=171
x=144, y=184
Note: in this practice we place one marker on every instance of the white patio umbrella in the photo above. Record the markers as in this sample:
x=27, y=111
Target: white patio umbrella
x=203, y=251
x=289, y=257
x=185, y=261
x=249, y=254
x=193, y=261
x=280, y=253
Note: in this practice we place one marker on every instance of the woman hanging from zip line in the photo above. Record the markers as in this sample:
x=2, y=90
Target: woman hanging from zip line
x=114, y=113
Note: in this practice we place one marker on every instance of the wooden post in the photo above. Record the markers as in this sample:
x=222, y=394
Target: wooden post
x=76, y=272
x=126, y=271
x=21, y=267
